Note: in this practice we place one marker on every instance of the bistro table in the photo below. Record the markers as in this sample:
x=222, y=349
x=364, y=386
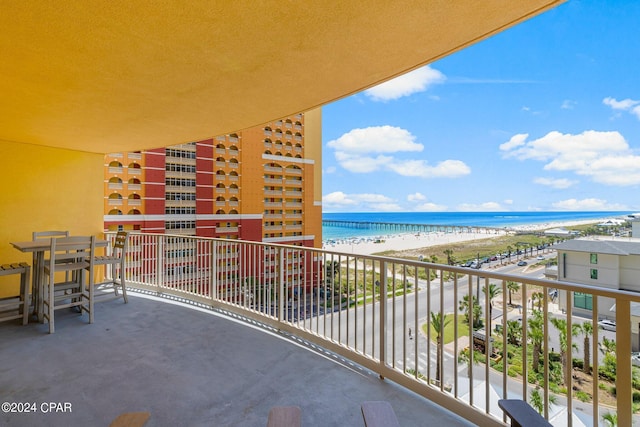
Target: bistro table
x=39, y=247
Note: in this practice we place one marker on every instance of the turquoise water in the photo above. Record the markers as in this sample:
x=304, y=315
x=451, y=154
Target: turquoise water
x=480, y=219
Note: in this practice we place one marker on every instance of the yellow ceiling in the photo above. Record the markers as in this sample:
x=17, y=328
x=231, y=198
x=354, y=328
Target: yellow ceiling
x=120, y=75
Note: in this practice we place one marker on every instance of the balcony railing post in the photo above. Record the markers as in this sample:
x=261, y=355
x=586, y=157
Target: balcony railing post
x=213, y=279
x=383, y=318
x=623, y=362
x=281, y=288
x=159, y=262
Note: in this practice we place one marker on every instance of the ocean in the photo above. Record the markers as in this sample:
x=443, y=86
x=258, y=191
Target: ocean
x=480, y=219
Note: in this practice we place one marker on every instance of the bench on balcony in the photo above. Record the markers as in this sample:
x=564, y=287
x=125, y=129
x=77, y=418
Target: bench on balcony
x=284, y=416
x=522, y=414
x=379, y=414
x=21, y=303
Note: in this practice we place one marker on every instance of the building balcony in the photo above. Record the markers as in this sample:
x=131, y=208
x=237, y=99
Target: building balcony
x=134, y=187
x=115, y=170
x=227, y=229
x=346, y=326
x=273, y=204
x=134, y=156
x=115, y=186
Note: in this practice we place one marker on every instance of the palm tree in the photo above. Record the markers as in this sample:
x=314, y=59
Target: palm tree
x=514, y=332
x=332, y=269
x=490, y=293
x=537, y=297
x=561, y=326
x=439, y=322
x=536, y=336
x=536, y=400
x=449, y=254
x=587, y=330
x=607, y=346
x=512, y=287
x=611, y=418
x=509, y=250
x=466, y=308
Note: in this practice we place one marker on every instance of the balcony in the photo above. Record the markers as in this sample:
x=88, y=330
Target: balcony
x=321, y=328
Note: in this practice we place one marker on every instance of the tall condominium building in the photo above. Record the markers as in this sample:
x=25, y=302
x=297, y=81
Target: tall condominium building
x=260, y=184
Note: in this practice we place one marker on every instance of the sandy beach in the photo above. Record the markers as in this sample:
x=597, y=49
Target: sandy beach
x=407, y=241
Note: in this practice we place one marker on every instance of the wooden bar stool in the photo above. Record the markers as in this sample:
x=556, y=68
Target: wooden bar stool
x=20, y=303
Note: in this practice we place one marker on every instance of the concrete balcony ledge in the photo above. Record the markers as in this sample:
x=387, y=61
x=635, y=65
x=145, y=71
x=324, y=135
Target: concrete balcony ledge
x=186, y=366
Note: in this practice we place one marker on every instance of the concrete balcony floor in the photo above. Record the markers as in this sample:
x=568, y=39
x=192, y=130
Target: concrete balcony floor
x=187, y=367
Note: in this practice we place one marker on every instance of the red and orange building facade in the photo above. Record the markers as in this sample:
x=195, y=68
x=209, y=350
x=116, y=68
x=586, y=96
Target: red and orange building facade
x=261, y=184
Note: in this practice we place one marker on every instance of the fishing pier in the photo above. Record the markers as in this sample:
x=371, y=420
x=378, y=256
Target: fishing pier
x=397, y=228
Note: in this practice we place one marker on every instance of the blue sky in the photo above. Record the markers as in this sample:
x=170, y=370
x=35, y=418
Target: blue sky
x=544, y=116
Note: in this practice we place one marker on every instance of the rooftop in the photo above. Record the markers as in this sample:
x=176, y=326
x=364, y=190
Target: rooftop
x=215, y=370
x=620, y=246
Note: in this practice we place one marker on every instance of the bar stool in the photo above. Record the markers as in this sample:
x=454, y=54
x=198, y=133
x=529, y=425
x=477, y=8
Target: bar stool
x=20, y=303
x=114, y=270
x=73, y=255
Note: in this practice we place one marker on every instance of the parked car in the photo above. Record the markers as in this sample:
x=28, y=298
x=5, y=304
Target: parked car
x=635, y=359
x=607, y=325
x=522, y=263
x=539, y=257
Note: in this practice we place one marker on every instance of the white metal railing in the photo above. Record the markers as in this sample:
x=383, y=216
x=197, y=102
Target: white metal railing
x=369, y=309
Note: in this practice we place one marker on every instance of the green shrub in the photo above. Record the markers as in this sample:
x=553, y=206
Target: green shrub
x=583, y=396
x=636, y=396
x=513, y=372
x=578, y=363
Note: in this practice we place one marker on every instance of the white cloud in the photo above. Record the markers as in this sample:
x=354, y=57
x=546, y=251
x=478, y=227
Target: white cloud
x=560, y=183
x=624, y=105
x=517, y=140
x=416, y=197
x=424, y=206
x=508, y=202
x=420, y=169
x=361, y=164
x=364, y=151
x=386, y=207
x=591, y=204
x=330, y=169
x=487, y=206
x=364, y=201
x=376, y=139
x=407, y=84
x=568, y=104
x=338, y=198
x=604, y=157
x=429, y=207
x=630, y=105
